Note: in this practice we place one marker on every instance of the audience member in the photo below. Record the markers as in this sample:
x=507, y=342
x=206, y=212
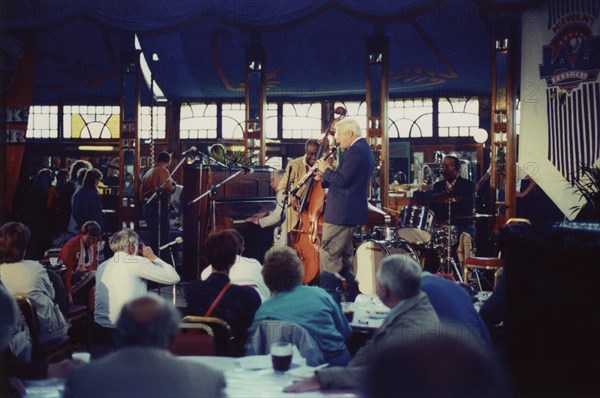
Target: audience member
x=12, y=370
x=80, y=256
x=87, y=205
x=142, y=366
x=454, y=306
x=309, y=306
x=123, y=278
x=76, y=174
x=449, y=367
x=245, y=271
x=63, y=201
x=29, y=278
x=411, y=315
x=494, y=308
x=216, y=296
x=38, y=216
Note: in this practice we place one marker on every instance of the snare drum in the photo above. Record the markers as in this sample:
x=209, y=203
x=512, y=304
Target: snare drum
x=368, y=256
x=439, y=236
x=415, y=224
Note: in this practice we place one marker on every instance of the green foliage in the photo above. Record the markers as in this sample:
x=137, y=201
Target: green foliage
x=588, y=184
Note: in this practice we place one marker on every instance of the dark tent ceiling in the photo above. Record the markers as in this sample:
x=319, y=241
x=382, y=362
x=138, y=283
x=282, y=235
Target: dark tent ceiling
x=314, y=49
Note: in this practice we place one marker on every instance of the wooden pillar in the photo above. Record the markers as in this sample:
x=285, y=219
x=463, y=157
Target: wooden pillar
x=504, y=138
x=255, y=97
x=129, y=142
x=377, y=61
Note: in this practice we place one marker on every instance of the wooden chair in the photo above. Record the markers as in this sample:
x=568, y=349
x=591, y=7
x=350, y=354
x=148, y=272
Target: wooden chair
x=48, y=352
x=193, y=339
x=489, y=263
x=222, y=332
x=269, y=331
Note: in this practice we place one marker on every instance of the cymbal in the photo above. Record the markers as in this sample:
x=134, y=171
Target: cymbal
x=475, y=216
x=445, y=199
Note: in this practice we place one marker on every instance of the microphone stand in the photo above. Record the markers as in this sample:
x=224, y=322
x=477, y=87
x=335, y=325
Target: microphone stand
x=158, y=192
x=286, y=192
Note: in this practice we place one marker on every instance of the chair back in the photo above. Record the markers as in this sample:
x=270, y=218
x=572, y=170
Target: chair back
x=50, y=351
x=261, y=336
x=193, y=339
x=223, y=338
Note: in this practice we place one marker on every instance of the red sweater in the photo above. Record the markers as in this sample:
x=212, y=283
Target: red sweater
x=69, y=255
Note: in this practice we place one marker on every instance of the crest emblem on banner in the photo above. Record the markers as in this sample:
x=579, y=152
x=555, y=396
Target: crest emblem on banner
x=571, y=58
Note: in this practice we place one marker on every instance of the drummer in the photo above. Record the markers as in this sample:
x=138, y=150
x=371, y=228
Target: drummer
x=456, y=191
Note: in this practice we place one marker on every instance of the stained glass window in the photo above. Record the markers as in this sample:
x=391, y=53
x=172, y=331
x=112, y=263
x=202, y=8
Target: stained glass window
x=198, y=121
x=301, y=121
x=91, y=122
x=458, y=117
x=410, y=118
x=42, y=122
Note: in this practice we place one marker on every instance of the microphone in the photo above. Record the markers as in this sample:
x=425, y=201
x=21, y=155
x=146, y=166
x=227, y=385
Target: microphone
x=177, y=241
x=190, y=151
x=247, y=170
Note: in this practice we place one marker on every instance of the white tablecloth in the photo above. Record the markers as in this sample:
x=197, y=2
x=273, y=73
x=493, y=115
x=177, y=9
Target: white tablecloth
x=241, y=382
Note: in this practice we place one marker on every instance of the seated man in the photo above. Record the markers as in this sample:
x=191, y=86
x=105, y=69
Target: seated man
x=454, y=306
x=123, y=278
x=141, y=366
x=80, y=256
x=411, y=316
x=245, y=271
x=216, y=296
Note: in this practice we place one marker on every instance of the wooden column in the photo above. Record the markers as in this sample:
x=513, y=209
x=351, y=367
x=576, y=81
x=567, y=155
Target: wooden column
x=255, y=97
x=377, y=61
x=129, y=142
x=504, y=138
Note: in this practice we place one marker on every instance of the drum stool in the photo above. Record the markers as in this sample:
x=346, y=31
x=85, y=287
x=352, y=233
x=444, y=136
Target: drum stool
x=487, y=263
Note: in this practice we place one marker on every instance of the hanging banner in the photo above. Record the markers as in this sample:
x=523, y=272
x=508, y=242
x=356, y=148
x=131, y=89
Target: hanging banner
x=560, y=97
x=17, y=60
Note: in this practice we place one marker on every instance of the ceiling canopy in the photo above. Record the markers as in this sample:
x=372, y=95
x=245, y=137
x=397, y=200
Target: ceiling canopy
x=312, y=49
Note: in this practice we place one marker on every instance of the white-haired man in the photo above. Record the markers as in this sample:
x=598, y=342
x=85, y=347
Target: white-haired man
x=346, y=207
x=411, y=316
x=123, y=278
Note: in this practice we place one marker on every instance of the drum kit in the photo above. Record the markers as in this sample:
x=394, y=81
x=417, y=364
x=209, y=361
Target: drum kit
x=414, y=233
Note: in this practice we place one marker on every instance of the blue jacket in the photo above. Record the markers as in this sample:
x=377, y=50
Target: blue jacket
x=347, y=198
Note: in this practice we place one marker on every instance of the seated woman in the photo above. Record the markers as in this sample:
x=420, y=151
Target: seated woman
x=80, y=256
x=217, y=297
x=29, y=278
x=309, y=306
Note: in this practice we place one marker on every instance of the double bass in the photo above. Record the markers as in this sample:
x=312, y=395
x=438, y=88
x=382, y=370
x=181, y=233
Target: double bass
x=306, y=239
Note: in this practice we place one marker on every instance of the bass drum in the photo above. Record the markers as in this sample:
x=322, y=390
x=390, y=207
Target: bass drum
x=368, y=256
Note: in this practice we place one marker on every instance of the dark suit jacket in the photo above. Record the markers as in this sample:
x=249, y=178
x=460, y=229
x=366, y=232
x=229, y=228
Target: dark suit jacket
x=415, y=318
x=465, y=190
x=347, y=197
x=143, y=372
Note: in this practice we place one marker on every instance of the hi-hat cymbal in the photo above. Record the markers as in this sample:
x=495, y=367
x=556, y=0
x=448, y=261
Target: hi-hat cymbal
x=474, y=216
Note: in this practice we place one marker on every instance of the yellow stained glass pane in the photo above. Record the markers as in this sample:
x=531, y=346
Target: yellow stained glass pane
x=77, y=124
